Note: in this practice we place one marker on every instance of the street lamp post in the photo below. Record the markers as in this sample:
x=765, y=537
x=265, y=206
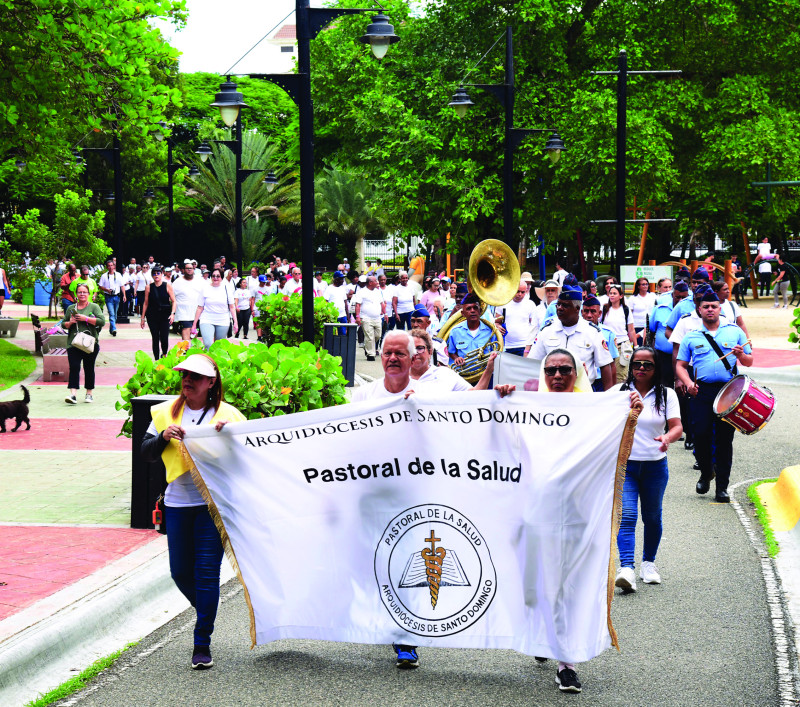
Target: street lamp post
x=171, y=169
x=505, y=93
x=112, y=155
x=310, y=22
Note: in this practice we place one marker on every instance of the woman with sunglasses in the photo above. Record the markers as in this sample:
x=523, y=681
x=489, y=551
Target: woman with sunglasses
x=617, y=316
x=195, y=548
x=215, y=311
x=646, y=473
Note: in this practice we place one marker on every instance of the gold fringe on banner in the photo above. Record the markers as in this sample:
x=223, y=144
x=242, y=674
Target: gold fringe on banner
x=223, y=534
x=616, y=512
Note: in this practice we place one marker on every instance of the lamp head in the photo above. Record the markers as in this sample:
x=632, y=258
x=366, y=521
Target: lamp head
x=554, y=147
x=193, y=171
x=270, y=181
x=461, y=102
x=379, y=35
x=204, y=151
x=229, y=101
x=149, y=195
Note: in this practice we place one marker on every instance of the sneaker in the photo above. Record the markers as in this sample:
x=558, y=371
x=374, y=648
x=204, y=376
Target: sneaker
x=406, y=657
x=626, y=579
x=540, y=659
x=89, y=398
x=786, y=306
x=113, y=332
x=71, y=399
x=649, y=574
x=775, y=306
x=370, y=358
x=201, y=658
x=567, y=679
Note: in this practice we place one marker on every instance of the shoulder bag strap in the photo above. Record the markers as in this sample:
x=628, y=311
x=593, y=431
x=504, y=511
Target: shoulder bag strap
x=718, y=351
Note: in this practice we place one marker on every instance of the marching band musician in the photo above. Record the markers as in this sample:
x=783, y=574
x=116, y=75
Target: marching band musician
x=569, y=331
x=470, y=335
x=709, y=350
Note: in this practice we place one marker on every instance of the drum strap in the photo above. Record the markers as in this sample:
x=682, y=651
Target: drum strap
x=718, y=351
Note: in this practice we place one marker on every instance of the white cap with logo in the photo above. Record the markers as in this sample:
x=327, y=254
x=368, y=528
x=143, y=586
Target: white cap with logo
x=197, y=364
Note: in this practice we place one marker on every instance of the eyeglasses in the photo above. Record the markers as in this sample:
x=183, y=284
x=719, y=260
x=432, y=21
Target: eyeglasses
x=643, y=365
x=216, y=277
x=422, y=348
x=563, y=370
x=191, y=375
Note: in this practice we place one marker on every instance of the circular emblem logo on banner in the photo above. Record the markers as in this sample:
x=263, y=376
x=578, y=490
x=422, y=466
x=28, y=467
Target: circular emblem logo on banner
x=434, y=571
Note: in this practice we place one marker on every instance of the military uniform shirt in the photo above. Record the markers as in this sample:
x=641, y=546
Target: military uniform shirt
x=696, y=349
x=685, y=306
x=584, y=341
x=691, y=322
x=461, y=341
x=658, y=324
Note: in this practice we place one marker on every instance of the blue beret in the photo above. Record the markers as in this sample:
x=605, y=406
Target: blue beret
x=420, y=311
x=569, y=293
x=681, y=287
x=710, y=296
x=702, y=289
x=471, y=298
x=591, y=302
x=461, y=288
x=700, y=274
x=571, y=280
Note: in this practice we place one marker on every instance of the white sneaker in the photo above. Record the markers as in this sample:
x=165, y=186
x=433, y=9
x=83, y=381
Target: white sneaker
x=89, y=398
x=649, y=574
x=626, y=579
x=775, y=306
x=786, y=306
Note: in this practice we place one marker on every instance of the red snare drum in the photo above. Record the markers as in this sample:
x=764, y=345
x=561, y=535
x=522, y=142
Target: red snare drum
x=745, y=404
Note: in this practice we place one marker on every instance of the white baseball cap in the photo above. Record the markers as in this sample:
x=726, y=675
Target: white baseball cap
x=187, y=261
x=198, y=363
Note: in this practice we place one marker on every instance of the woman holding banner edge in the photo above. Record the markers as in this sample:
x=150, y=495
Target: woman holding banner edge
x=195, y=547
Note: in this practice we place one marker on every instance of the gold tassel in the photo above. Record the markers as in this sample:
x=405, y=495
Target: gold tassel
x=616, y=512
x=223, y=534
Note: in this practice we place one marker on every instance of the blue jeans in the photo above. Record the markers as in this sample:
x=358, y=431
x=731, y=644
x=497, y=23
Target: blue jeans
x=517, y=351
x=646, y=480
x=112, y=302
x=195, y=557
x=405, y=321
x=65, y=304
x=213, y=332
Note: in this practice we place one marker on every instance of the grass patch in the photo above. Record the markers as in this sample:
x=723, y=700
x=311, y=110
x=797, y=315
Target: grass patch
x=16, y=364
x=763, y=516
x=79, y=681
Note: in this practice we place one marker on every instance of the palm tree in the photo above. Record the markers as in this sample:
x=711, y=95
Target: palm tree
x=215, y=189
x=345, y=204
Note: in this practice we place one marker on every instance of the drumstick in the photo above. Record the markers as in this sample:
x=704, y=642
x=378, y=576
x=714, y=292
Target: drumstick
x=730, y=352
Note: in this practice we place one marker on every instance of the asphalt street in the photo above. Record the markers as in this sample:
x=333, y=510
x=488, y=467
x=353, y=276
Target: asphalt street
x=702, y=637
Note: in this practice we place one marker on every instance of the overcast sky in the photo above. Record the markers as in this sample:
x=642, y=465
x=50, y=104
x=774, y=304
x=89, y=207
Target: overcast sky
x=218, y=33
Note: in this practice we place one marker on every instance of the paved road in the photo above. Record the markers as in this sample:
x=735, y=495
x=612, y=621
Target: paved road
x=703, y=637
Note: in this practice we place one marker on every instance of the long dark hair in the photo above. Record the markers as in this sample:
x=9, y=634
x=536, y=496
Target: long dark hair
x=214, y=393
x=661, y=393
x=607, y=305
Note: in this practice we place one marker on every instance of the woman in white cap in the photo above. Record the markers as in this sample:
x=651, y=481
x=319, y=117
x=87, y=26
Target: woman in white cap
x=215, y=310
x=195, y=548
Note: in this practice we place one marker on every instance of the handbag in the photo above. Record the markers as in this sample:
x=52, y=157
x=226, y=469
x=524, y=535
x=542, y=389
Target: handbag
x=84, y=341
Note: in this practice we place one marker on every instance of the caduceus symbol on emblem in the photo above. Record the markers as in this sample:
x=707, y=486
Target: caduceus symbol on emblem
x=433, y=557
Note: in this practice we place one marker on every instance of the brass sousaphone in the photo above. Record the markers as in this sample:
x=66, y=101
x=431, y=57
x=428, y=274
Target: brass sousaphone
x=493, y=275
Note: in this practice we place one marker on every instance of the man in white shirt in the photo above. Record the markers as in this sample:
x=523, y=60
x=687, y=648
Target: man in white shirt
x=294, y=286
x=560, y=274
x=187, y=291
x=112, y=285
x=403, y=302
x=143, y=279
x=319, y=285
x=519, y=321
x=337, y=294
x=370, y=310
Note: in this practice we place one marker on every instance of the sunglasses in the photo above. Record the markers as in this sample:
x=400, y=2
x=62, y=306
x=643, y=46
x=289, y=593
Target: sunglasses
x=563, y=370
x=191, y=375
x=643, y=365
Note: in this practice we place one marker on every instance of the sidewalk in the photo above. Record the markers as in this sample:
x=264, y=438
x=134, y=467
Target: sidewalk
x=71, y=569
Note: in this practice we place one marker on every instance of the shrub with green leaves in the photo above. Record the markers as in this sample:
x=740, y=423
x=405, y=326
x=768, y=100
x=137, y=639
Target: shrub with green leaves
x=794, y=336
x=259, y=380
x=281, y=318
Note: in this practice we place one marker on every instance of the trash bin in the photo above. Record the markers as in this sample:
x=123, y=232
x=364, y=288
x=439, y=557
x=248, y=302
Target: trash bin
x=148, y=480
x=341, y=340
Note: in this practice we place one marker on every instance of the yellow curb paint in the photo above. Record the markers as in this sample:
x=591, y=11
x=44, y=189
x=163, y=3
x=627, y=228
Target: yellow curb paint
x=782, y=499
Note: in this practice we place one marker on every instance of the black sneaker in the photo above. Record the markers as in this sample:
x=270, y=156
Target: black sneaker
x=407, y=657
x=540, y=659
x=113, y=332
x=370, y=358
x=567, y=681
x=201, y=658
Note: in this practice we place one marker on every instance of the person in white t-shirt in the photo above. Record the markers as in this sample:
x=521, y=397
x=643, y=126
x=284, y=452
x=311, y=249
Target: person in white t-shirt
x=520, y=322
x=337, y=294
x=244, y=307
x=143, y=279
x=423, y=370
x=641, y=303
x=253, y=281
x=187, y=291
x=215, y=311
x=617, y=317
x=646, y=471
x=403, y=302
x=560, y=273
x=319, y=285
x=294, y=285
x=370, y=309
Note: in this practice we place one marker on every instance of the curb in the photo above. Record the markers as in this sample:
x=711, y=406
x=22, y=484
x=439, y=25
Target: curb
x=782, y=499
x=780, y=375
x=100, y=614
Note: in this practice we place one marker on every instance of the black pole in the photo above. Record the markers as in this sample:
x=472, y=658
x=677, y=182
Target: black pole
x=118, y=199
x=508, y=158
x=622, y=107
x=171, y=232
x=237, y=149
x=306, y=113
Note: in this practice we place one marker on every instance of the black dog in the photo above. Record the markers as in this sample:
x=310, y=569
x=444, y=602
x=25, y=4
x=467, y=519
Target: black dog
x=17, y=409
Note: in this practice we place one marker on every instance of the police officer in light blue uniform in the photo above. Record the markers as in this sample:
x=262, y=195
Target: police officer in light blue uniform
x=591, y=313
x=472, y=334
x=699, y=278
x=658, y=325
x=703, y=348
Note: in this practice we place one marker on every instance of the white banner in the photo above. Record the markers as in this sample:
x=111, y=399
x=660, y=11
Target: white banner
x=461, y=521
x=518, y=371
